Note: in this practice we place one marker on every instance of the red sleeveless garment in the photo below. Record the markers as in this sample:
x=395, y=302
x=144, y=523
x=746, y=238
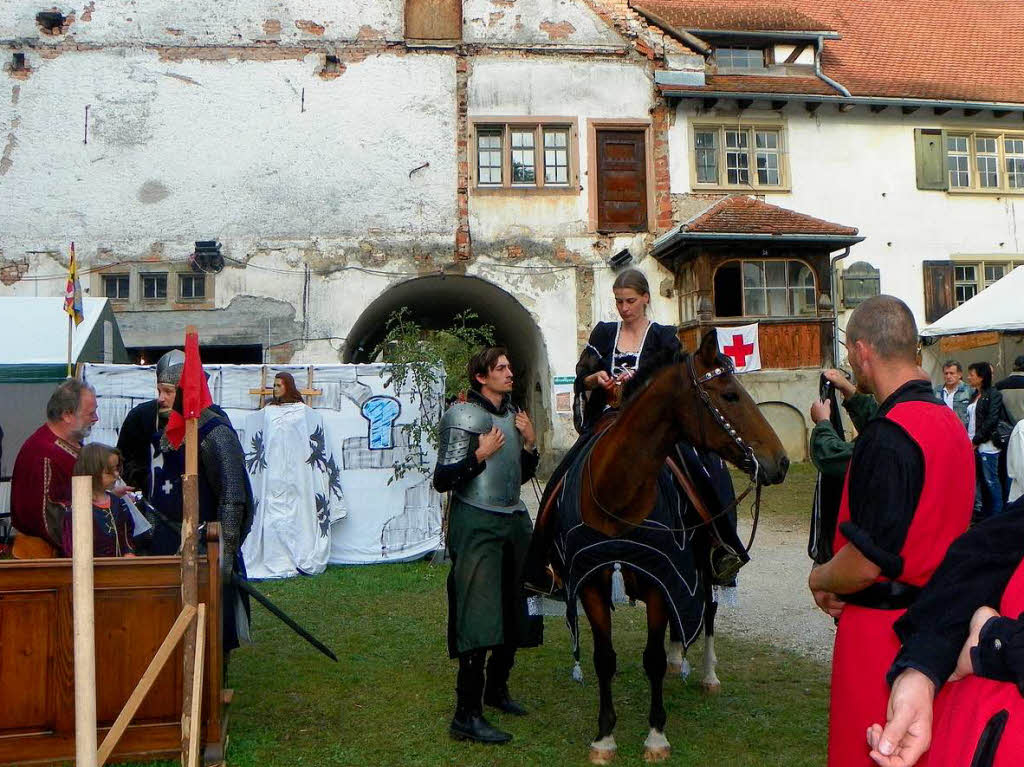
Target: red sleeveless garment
x=866, y=645
x=970, y=718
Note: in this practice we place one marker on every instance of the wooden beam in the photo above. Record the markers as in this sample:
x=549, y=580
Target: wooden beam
x=845, y=107
x=744, y=103
x=710, y=103
x=777, y=105
x=197, y=688
x=189, y=570
x=812, y=106
x=971, y=112
x=909, y=110
x=876, y=108
x=942, y=110
x=149, y=676
x=997, y=113
x=84, y=621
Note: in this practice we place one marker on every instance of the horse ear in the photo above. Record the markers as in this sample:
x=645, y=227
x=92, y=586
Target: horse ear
x=708, y=352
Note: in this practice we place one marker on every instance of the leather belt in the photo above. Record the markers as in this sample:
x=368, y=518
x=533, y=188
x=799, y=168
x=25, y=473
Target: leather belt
x=884, y=595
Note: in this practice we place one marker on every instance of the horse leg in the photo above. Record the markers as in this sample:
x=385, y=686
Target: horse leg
x=595, y=596
x=677, y=662
x=709, y=679
x=656, y=747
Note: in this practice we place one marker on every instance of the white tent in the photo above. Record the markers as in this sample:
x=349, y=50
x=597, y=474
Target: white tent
x=989, y=328
x=998, y=307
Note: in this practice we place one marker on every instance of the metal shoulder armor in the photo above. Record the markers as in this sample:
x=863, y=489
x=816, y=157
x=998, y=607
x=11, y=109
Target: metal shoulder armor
x=460, y=423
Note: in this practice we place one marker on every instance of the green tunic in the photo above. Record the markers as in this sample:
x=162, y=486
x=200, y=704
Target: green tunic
x=830, y=452
x=486, y=604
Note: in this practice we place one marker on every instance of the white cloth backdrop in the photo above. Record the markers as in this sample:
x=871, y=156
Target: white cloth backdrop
x=375, y=518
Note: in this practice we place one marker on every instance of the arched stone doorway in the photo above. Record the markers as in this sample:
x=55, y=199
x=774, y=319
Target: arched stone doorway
x=434, y=300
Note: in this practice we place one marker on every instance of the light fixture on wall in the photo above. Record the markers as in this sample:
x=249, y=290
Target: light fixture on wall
x=620, y=259
x=207, y=257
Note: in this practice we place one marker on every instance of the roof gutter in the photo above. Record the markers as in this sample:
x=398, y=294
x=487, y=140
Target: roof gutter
x=672, y=90
x=817, y=69
x=680, y=34
x=677, y=235
x=777, y=35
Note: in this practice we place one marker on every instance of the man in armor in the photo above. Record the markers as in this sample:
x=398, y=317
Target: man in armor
x=487, y=451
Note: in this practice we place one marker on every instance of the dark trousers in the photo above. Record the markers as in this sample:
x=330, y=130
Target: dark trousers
x=472, y=684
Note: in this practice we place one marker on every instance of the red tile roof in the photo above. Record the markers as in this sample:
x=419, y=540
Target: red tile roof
x=958, y=50
x=740, y=214
x=760, y=84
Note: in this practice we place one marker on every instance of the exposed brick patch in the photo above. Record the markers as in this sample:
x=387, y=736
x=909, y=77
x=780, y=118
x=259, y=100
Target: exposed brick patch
x=281, y=354
x=463, y=239
x=309, y=27
x=504, y=3
x=584, y=305
x=272, y=28
x=174, y=32
x=514, y=252
x=557, y=30
x=366, y=32
x=53, y=23
x=12, y=271
x=87, y=11
x=332, y=68
x=21, y=73
x=495, y=16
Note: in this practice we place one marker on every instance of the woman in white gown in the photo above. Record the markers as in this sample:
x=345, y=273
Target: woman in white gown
x=297, y=486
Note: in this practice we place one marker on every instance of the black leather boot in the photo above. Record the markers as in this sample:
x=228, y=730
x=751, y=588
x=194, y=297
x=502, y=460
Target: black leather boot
x=501, y=700
x=468, y=722
x=472, y=726
x=498, y=669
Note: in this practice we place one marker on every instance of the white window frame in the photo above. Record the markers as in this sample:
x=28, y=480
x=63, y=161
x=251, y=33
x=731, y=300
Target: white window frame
x=790, y=289
x=979, y=283
x=974, y=157
x=751, y=130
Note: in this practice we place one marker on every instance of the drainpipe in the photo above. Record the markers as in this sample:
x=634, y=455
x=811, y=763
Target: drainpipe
x=835, y=305
x=817, y=69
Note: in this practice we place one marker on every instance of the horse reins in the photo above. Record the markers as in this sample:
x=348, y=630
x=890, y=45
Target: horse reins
x=749, y=461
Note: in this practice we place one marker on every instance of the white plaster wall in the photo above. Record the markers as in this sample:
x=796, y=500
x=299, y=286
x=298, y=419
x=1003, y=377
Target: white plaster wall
x=235, y=149
x=536, y=22
x=502, y=87
x=234, y=22
x=858, y=169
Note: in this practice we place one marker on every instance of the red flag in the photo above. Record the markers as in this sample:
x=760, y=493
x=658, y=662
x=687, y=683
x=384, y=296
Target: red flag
x=193, y=393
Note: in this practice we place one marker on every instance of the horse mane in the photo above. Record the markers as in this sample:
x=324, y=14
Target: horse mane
x=668, y=355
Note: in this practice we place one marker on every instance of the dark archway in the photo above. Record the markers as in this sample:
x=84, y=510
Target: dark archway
x=433, y=302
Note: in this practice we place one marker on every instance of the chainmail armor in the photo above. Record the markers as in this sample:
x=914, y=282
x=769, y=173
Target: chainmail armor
x=223, y=465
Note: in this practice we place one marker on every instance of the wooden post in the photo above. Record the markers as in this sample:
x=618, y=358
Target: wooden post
x=84, y=622
x=70, y=330
x=197, y=688
x=189, y=574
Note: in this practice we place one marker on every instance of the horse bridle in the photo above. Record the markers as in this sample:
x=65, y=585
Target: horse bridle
x=751, y=465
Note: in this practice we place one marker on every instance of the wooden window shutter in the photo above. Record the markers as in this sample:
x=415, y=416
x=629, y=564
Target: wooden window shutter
x=930, y=157
x=621, y=181
x=939, y=297
x=433, y=19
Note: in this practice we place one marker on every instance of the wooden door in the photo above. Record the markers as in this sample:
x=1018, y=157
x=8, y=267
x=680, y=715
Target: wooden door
x=621, y=181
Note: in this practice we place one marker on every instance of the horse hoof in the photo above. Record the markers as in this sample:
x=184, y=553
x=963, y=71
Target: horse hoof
x=711, y=688
x=657, y=754
x=674, y=668
x=603, y=751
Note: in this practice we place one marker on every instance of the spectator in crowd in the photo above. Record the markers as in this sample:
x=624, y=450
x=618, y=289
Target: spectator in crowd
x=41, y=480
x=954, y=392
x=830, y=452
x=113, y=527
x=1015, y=466
x=1012, y=389
x=983, y=416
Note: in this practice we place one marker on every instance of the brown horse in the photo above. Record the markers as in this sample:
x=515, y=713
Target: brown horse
x=695, y=399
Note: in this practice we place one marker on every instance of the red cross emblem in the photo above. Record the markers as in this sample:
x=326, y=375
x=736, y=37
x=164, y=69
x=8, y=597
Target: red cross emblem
x=739, y=350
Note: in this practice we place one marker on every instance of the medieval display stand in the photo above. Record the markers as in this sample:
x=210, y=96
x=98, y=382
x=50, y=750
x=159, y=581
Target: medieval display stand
x=191, y=623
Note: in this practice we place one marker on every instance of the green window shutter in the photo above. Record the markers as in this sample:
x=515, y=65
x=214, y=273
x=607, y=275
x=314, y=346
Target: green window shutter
x=930, y=157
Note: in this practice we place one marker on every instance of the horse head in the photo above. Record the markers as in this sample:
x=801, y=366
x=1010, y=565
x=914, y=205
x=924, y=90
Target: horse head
x=719, y=415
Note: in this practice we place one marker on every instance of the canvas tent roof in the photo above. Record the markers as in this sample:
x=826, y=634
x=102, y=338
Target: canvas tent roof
x=998, y=307
x=35, y=345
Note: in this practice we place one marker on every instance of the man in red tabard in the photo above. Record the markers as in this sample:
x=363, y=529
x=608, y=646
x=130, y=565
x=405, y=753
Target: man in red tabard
x=908, y=494
x=41, y=480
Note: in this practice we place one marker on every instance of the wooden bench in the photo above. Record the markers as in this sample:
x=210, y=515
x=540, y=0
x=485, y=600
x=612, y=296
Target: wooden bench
x=137, y=600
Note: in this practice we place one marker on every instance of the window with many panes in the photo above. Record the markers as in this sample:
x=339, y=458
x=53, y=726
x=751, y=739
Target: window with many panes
x=524, y=155
x=985, y=161
x=116, y=286
x=744, y=156
x=740, y=58
x=154, y=286
x=191, y=286
x=765, y=288
x=969, y=279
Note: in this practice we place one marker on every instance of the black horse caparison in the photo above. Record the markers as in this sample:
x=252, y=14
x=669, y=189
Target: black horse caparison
x=695, y=399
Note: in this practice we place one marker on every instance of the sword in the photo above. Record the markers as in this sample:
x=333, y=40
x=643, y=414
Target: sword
x=249, y=589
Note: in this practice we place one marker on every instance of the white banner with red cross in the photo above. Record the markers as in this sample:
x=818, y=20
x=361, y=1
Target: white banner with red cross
x=740, y=345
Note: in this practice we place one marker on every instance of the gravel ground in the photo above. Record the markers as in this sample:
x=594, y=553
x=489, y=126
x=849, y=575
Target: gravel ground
x=774, y=604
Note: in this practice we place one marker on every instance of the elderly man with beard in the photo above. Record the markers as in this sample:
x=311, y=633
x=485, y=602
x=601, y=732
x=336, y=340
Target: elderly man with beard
x=41, y=480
